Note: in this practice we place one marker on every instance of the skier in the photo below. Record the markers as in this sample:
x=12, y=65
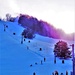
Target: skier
x=56, y=73
x=53, y=73
x=44, y=59
x=55, y=60
x=21, y=42
x=62, y=61
x=4, y=27
x=36, y=63
x=24, y=39
x=27, y=47
x=40, y=49
x=41, y=62
x=34, y=73
x=29, y=41
x=61, y=74
x=66, y=72
x=31, y=65
x=14, y=33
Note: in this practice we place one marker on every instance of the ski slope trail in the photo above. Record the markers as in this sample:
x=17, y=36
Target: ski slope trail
x=16, y=59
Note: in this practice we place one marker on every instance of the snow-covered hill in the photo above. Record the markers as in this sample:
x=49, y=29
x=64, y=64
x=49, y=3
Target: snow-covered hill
x=25, y=59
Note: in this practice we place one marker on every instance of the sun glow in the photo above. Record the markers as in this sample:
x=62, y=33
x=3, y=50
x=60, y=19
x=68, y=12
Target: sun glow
x=65, y=21
x=14, y=7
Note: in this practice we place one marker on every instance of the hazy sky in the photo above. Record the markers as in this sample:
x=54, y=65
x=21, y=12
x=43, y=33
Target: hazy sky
x=60, y=13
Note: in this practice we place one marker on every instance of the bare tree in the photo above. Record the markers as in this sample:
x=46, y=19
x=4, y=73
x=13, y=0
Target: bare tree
x=8, y=16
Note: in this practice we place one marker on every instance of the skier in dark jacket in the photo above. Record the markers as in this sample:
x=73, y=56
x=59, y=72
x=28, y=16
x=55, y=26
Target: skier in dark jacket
x=34, y=73
x=56, y=73
x=66, y=72
x=44, y=59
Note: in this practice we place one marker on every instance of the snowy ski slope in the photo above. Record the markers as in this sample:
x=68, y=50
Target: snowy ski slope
x=17, y=58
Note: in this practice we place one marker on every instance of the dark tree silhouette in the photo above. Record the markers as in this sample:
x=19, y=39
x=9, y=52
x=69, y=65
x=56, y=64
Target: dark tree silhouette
x=8, y=16
x=28, y=33
x=61, y=50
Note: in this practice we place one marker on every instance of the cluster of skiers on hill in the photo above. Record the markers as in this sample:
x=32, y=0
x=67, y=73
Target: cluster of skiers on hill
x=55, y=73
x=41, y=62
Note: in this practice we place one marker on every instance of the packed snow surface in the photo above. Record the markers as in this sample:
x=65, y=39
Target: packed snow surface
x=25, y=59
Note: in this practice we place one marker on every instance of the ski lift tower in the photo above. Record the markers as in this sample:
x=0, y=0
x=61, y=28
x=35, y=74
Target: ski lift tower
x=73, y=73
